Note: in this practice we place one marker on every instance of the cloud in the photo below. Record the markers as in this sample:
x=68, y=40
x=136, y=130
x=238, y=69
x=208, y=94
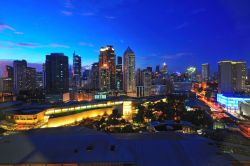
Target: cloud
x=110, y=17
x=9, y=44
x=68, y=4
x=197, y=11
x=19, y=33
x=88, y=14
x=55, y=45
x=4, y=26
x=67, y=13
x=176, y=56
x=86, y=44
x=183, y=25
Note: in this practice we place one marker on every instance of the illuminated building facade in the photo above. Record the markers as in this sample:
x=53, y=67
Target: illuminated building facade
x=231, y=102
x=129, y=83
x=39, y=80
x=205, y=73
x=244, y=108
x=232, y=76
x=119, y=74
x=107, y=69
x=77, y=67
x=57, y=73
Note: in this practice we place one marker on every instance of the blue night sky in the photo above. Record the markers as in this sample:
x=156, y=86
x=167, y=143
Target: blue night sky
x=180, y=33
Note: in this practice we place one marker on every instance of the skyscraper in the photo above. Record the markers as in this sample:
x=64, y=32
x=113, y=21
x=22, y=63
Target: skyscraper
x=77, y=67
x=19, y=75
x=94, y=75
x=39, y=80
x=205, y=73
x=30, y=78
x=157, y=69
x=129, y=72
x=232, y=76
x=119, y=75
x=147, y=82
x=57, y=73
x=107, y=69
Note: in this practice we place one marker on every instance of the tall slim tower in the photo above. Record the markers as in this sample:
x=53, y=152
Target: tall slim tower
x=119, y=75
x=77, y=68
x=232, y=76
x=129, y=72
x=57, y=73
x=205, y=73
x=107, y=69
x=19, y=75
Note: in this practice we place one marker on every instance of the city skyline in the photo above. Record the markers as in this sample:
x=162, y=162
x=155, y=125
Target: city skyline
x=174, y=32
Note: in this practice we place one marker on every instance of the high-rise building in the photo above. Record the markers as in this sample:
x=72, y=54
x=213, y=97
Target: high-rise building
x=205, y=73
x=157, y=69
x=77, y=67
x=57, y=73
x=94, y=75
x=39, y=80
x=129, y=72
x=119, y=74
x=107, y=69
x=6, y=85
x=147, y=82
x=9, y=72
x=30, y=78
x=20, y=82
x=164, y=69
x=232, y=76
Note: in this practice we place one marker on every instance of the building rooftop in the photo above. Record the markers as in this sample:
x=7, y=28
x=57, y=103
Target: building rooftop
x=82, y=145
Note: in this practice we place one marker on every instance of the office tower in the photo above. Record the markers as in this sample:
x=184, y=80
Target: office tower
x=138, y=77
x=232, y=76
x=94, y=76
x=129, y=72
x=164, y=69
x=119, y=74
x=77, y=67
x=147, y=82
x=248, y=76
x=19, y=75
x=157, y=69
x=6, y=85
x=7, y=82
x=150, y=69
x=30, y=78
x=9, y=72
x=57, y=73
x=39, y=80
x=107, y=69
x=205, y=73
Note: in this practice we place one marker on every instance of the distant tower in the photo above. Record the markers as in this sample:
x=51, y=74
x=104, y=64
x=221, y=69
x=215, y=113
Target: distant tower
x=107, y=69
x=94, y=76
x=19, y=75
x=77, y=68
x=129, y=72
x=57, y=73
x=119, y=74
x=205, y=73
x=232, y=76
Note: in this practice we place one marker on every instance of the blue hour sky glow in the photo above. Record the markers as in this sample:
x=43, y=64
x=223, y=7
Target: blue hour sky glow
x=180, y=33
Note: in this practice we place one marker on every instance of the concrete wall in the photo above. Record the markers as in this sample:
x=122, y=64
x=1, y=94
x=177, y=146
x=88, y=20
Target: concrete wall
x=65, y=120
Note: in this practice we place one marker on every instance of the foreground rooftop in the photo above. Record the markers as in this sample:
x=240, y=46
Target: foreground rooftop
x=82, y=145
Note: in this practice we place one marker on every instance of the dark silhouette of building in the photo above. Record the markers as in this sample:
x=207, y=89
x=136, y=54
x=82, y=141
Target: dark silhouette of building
x=57, y=73
x=94, y=74
x=19, y=75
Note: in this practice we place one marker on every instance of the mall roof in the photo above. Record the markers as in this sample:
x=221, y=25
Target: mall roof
x=82, y=145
